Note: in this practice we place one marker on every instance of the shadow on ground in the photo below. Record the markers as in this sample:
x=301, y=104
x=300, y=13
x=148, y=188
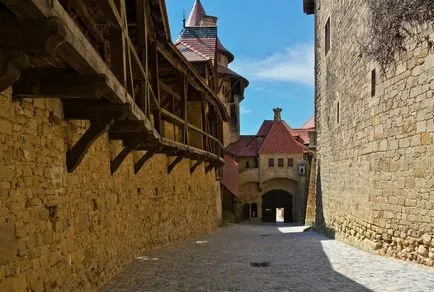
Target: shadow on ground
x=284, y=259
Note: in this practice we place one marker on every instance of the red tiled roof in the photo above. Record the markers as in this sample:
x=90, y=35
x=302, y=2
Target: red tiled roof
x=309, y=124
x=196, y=14
x=280, y=139
x=206, y=46
x=246, y=146
x=231, y=175
x=265, y=128
x=190, y=53
x=303, y=134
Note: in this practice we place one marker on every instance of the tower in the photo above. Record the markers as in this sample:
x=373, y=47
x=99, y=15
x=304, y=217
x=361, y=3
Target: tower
x=200, y=44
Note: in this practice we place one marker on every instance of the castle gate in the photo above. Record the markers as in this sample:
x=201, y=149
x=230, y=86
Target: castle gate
x=273, y=200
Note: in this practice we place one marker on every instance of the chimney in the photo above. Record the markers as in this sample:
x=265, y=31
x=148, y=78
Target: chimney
x=277, y=114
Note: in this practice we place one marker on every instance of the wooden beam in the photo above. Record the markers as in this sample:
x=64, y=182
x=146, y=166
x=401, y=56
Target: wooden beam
x=94, y=110
x=139, y=164
x=31, y=35
x=195, y=166
x=83, y=11
x=76, y=154
x=11, y=65
x=174, y=163
x=166, y=88
x=60, y=83
x=116, y=163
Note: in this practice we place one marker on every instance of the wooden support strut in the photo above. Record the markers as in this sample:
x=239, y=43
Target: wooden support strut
x=79, y=150
x=195, y=166
x=116, y=163
x=139, y=164
x=209, y=167
x=174, y=163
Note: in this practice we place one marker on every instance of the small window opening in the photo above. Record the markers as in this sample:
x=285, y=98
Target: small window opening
x=270, y=162
x=373, y=82
x=280, y=162
x=327, y=36
x=247, y=164
x=338, y=118
x=290, y=162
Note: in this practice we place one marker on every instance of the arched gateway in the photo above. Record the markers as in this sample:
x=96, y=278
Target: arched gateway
x=277, y=199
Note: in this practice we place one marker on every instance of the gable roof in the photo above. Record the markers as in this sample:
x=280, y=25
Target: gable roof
x=280, y=139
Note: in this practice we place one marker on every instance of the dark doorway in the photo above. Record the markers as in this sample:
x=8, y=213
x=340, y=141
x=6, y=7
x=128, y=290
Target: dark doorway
x=274, y=200
x=246, y=211
x=254, y=210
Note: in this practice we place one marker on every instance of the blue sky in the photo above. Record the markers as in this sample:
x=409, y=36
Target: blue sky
x=272, y=41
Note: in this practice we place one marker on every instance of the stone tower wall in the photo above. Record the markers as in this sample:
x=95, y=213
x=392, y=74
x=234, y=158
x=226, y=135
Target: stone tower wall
x=376, y=164
x=63, y=231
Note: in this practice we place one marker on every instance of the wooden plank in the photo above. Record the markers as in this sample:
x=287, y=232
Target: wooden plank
x=79, y=150
x=94, y=110
x=60, y=83
x=116, y=163
x=174, y=163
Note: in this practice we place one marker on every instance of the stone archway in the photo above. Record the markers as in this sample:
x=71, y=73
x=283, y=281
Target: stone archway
x=277, y=199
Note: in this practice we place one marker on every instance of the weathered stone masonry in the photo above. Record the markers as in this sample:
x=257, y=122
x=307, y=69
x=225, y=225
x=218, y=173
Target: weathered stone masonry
x=73, y=231
x=375, y=153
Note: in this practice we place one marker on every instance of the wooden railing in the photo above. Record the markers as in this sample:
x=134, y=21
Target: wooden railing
x=106, y=59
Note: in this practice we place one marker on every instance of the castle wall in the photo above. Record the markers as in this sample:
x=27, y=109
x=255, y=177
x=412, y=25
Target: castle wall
x=65, y=231
x=376, y=164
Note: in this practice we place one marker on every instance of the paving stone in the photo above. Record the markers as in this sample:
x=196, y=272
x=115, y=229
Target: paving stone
x=299, y=261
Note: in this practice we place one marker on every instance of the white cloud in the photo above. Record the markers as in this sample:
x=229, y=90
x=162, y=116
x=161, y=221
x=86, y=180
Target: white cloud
x=294, y=64
x=244, y=110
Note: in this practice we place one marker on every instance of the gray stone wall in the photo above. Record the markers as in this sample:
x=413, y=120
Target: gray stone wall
x=375, y=182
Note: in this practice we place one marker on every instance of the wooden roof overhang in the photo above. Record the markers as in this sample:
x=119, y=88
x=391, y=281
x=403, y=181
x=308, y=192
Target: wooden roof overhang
x=65, y=64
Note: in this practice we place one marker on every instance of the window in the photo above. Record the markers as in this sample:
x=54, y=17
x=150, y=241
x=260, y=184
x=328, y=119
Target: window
x=280, y=162
x=270, y=162
x=327, y=36
x=290, y=162
x=373, y=82
x=247, y=164
x=338, y=118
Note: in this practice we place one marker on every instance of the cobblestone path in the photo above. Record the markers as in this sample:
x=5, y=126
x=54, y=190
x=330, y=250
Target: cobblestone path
x=298, y=261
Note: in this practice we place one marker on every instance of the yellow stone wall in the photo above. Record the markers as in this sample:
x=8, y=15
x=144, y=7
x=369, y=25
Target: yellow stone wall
x=73, y=231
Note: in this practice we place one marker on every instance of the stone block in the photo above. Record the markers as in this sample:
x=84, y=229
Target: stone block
x=8, y=243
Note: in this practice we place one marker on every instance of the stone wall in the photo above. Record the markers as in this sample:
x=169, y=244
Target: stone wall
x=73, y=231
x=375, y=153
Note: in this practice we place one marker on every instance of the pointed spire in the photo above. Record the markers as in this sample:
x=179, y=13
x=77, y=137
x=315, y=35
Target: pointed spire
x=196, y=14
